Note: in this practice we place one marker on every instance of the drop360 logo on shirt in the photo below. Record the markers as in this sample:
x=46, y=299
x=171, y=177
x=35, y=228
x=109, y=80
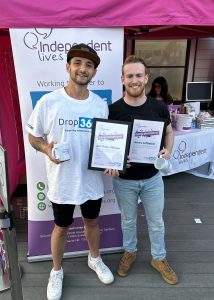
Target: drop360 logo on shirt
x=85, y=122
x=81, y=123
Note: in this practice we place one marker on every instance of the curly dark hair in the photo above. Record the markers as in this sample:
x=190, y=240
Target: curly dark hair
x=167, y=98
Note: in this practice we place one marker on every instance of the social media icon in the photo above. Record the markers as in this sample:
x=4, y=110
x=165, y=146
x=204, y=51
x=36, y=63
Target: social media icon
x=41, y=196
x=41, y=206
x=40, y=186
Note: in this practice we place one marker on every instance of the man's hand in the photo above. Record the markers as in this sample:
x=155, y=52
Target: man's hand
x=111, y=172
x=115, y=173
x=164, y=153
x=48, y=152
x=128, y=165
x=39, y=144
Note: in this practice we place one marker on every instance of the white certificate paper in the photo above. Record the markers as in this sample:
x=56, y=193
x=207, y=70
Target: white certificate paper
x=109, y=145
x=145, y=141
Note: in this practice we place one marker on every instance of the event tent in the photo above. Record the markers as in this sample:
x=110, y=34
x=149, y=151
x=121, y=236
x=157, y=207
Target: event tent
x=157, y=19
x=141, y=19
x=102, y=13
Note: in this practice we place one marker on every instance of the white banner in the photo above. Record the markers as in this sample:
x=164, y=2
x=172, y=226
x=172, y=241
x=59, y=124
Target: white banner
x=193, y=152
x=40, y=60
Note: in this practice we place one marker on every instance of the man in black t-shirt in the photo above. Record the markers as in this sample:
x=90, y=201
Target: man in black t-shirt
x=142, y=181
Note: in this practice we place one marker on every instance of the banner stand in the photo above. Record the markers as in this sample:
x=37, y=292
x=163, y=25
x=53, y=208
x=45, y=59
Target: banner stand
x=47, y=48
x=9, y=233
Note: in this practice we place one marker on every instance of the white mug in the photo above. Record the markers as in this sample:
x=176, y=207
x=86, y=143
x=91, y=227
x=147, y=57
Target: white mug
x=162, y=165
x=61, y=151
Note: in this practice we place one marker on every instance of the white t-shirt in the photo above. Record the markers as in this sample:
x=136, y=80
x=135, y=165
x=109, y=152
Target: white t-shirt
x=58, y=117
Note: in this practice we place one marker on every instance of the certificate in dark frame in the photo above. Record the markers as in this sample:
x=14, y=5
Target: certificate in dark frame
x=162, y=137
x=127, y=137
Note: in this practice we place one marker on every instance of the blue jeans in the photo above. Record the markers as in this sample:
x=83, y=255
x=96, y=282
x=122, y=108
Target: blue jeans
x=151, y=193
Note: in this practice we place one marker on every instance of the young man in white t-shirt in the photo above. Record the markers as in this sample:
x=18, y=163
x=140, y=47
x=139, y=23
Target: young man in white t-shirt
x=61, y=116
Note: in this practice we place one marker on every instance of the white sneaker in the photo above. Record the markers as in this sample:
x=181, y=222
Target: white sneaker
x=103, y=272
x=54, y=289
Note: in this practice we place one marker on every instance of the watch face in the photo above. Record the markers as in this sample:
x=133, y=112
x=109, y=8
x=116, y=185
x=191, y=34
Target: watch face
x=3, y=179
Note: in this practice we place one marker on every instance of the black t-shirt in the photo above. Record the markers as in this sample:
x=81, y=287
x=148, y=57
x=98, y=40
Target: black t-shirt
x=152, y=109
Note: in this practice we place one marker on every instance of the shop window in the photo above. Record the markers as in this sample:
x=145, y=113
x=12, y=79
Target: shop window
x=165, y=58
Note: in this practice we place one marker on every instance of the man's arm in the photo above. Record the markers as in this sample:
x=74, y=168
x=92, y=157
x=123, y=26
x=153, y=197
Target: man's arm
x=39, y=144
x=168, y=142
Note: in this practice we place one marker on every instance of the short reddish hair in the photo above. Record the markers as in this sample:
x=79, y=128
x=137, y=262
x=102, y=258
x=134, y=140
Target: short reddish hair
x=131, y=59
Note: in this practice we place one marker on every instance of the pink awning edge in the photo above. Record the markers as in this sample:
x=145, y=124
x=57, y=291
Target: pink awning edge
x=11, y=137
x=104, y=13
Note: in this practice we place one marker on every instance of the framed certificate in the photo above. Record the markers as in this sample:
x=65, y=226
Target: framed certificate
x=109, y=145
x=145, y=141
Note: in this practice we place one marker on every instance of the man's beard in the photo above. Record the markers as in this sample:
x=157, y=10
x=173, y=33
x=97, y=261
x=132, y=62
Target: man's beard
x=81, y=80
x=135, y=92
x=82, y=83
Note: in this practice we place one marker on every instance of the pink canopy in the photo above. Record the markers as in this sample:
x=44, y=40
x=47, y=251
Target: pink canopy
x=10, y=120
x=105, y=13
x=142, y=19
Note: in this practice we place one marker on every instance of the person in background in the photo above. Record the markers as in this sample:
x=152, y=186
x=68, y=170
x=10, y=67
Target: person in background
x=159, y=90
x=65, y=115
x=142, y=181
